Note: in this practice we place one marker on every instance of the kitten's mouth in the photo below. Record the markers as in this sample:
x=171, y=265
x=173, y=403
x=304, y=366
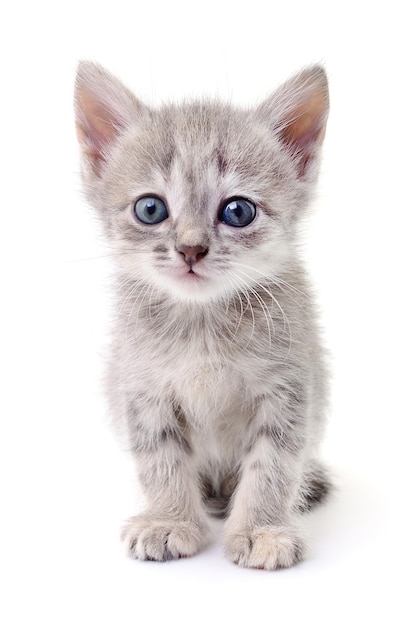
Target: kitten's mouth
x=191, y=276
x=194, y=284
x=192, y=273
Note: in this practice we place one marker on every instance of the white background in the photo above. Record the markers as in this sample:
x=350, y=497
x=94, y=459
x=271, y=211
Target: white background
x=65, y=484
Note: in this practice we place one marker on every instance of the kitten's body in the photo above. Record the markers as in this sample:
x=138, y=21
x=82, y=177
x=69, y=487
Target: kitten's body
x=216, y=371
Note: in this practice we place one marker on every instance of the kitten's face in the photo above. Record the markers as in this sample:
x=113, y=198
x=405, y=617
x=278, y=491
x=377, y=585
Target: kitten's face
x=201, y=200
x=220, y=198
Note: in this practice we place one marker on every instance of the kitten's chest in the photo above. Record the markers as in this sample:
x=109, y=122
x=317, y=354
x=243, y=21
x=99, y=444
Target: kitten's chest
x=207, y=371
x=214, y=399
x=203, y=381
x=210, y=378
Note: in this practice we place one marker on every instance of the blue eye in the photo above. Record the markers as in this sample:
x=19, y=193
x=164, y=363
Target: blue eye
x=238, y=212
x=150, y=210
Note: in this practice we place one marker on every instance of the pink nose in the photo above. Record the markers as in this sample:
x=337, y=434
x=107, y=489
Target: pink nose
x=192, y=254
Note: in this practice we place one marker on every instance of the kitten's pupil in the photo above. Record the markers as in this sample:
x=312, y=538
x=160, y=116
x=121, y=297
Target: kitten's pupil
x=238, y=212
x=150, y=210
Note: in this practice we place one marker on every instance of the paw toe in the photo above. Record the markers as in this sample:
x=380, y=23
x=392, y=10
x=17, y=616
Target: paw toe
x=161, y=540
x=268, y=547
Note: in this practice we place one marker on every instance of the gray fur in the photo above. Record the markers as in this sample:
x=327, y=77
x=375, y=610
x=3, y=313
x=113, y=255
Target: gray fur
x=216, y=378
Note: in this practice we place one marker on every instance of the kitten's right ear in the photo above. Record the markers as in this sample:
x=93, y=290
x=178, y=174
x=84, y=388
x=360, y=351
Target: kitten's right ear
x=104, y=108
x=297, y=112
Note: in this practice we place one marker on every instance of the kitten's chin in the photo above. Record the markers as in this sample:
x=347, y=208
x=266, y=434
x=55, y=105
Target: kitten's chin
x=189, y=287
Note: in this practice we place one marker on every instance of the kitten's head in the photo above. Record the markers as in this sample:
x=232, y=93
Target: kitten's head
x=200, y=200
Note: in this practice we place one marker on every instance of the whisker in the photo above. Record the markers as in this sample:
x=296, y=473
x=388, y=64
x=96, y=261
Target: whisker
x=244, y=292
x=266, y=313
x=265, y=308
x=233, y=297
x=114, y=253
x=140, y=300
x=277, y=280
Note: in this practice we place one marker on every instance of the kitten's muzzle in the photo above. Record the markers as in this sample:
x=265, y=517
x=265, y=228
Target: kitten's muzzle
x=192, y=254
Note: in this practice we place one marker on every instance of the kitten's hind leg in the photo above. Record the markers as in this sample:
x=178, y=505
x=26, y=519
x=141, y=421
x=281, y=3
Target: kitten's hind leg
x=217, y=497
x=315, y=488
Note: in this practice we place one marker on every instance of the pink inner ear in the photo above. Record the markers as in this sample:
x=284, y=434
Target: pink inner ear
x=304, y=127
x=96, y=125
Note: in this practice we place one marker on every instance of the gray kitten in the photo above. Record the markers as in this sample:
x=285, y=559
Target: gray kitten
x=216, y=371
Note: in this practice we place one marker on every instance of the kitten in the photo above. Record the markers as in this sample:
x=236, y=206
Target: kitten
x=216, y=370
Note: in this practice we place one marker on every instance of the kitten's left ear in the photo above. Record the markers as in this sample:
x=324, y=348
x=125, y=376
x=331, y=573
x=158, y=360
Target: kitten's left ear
x=104, y=108
x=298, y=113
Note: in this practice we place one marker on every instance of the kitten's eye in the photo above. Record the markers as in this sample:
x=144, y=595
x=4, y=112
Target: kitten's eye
x=150, y=210
x=238, y=212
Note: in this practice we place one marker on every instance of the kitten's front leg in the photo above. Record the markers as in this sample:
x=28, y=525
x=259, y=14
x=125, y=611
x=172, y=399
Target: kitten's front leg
x=175, y=523
x=261, y=531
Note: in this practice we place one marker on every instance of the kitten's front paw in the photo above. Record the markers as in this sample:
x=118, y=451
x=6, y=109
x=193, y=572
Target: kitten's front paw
x=267, y=547
x=150, y=539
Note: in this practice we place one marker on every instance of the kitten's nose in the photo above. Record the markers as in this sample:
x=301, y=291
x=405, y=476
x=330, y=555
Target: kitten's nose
x=192, y=254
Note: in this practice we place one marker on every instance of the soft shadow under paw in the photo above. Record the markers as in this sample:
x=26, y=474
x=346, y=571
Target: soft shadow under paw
x=267, y=547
